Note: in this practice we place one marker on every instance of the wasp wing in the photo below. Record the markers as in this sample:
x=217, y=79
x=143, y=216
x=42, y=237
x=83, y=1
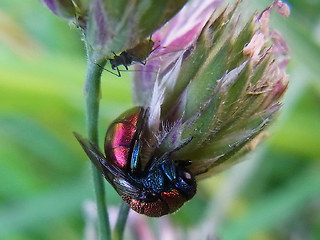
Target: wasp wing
x=121, y=182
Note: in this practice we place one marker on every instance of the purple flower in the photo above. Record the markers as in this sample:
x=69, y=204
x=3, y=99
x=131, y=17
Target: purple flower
x=212, y=79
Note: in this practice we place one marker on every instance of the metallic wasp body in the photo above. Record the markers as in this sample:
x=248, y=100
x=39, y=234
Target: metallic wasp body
x=160, y=188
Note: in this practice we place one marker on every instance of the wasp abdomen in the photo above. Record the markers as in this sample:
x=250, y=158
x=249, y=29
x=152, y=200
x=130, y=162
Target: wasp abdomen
x=166, y=203
x=119, y=137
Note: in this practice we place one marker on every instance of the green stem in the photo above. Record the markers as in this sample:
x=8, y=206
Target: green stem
x=121, y=221
x=92, y=98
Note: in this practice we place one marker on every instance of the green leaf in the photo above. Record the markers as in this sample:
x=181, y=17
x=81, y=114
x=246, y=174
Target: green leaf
x=276, y=207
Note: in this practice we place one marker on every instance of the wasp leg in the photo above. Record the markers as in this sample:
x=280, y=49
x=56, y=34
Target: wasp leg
x=118, y=75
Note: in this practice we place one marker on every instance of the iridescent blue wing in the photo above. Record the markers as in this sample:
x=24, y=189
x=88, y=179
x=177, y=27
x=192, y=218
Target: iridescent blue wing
x=134, y=153
x=120, y=181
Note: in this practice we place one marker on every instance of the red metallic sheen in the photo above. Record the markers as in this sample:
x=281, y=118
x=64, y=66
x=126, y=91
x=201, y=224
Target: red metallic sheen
x=157, y=208
x=169, y=202
x=121, y=155
x=119, y=137
x=174, y=200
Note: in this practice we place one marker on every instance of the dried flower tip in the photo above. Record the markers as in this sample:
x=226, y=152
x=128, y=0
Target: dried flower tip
x=61, y=8
x=282, y=8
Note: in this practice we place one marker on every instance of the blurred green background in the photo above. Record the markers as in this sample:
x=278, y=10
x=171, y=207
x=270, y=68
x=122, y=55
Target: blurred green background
x=45, y=178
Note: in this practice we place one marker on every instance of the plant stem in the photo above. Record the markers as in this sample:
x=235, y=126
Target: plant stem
x=92, y=98
x=121, y=221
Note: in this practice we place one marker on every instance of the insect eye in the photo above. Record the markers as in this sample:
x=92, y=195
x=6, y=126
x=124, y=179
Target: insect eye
x=187, y=175
x=185, y=183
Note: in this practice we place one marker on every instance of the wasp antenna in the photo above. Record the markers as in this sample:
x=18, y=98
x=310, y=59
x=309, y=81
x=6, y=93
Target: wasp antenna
x=181, y=146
